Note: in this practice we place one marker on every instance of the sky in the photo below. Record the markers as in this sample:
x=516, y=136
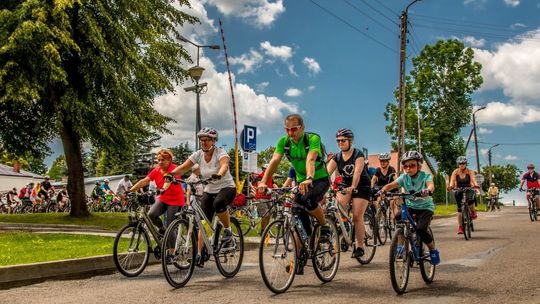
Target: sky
x=336, y=62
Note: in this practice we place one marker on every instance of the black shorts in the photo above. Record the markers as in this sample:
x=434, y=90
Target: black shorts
x=217, y=202
x=362, y=192
x=314, y=195
x=470, y=198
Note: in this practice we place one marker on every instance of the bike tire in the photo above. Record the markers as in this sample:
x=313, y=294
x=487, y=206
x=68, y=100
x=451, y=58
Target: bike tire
x=465, y=219
x=427, y=270
x=115, y=207
x=140, y=259
x=244, y=219
x=325, y=257
x=178, y=267
x=531, y=210
x=52, y=207
x=399, y=263
x=382, y=233
x=370, y=239
x=236, y=253
x=278, y=250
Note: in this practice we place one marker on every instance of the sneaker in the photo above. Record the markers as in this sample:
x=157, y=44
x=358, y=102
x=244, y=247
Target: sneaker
x=474, y=215
x=199, y=262
x=226, y=238
x=434, y=255
x=325, y=234
x=460, y=230
x=358, y=252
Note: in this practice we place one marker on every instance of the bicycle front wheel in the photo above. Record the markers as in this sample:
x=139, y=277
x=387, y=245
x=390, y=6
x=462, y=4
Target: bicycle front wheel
x=277, y=256
x=244, y=218
x=178, y=248
x=131, y=250
x=466, y=220
x=229, y=255
x=382, y=234
x=427, y=270
x=325, y=256
x=399, y=262
x=370, y=239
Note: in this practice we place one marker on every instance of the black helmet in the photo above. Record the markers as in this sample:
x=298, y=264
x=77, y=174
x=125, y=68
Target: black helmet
x=345, y=133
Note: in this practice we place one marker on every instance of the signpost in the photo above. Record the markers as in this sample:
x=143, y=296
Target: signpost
x=249, y=162
x=249, y=138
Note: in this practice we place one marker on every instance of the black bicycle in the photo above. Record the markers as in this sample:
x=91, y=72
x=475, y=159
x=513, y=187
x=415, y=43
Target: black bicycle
x=466, y=215
x=408, y=250
x=533, y=210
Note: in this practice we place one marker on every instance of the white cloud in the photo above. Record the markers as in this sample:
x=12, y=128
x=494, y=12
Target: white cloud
x=261, y=13
x=473, y=42
x=262, y=86
x=510, y=157
x=249, y=61
x=311, y=88
x=291, y=69
x=517, y=25
x=512, y=3
x=498, y=113
x=282, y=52
x=293, y=92
x=484, y=131
x=312, y=65
x=478, y=3
x=514, y=67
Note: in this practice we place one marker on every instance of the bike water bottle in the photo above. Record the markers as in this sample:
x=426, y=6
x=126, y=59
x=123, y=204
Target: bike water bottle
x=301, y=229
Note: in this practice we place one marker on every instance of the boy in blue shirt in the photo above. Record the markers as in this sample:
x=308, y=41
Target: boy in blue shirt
x=416, y=180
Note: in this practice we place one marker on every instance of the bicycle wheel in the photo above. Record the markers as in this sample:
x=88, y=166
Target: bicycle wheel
x=131, y=250
x=382, y=234
x=229, y=256
x=427, y=270
x=370, y=239
x=115, y=207
x=52, y=207
x=244, y=218
x=466, y=220
x=399, y=262
x=277, y=257
x=532, y=211
x=179, y=249
x=325, y=255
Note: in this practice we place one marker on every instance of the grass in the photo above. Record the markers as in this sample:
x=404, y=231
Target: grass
x=442, y=210
x=108, y=221
x=23, y=248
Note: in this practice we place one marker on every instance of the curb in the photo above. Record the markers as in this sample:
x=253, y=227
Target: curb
x=50, y=227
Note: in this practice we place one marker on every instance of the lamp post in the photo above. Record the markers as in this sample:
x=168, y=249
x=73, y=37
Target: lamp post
x=489, y=159
x=476, y=139
x=196, y=74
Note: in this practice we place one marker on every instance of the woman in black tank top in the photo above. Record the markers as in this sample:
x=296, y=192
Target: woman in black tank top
x=463, y=177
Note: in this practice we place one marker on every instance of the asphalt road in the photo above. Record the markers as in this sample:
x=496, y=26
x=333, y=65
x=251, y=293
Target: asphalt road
x=499, y=265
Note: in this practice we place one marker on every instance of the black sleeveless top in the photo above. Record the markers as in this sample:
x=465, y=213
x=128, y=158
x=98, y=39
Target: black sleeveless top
x=346, y=170
x=383, y=180
x=463, y=182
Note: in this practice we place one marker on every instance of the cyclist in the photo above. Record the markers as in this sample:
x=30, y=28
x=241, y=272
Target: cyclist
x=213, y=163
x=416, y=180
x=123, y=188
x=463, y=177
x=45, y=188
x=98, y=193
x=305, y=153
x=384, y=175
x=62, y=198
x=106, y=187
x=170, y=200
x=350, y=164
x=493, y=193
x=533, y=183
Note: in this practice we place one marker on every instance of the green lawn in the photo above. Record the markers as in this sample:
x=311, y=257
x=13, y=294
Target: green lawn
x=23, y=248
x=452, y=208
x=109, y=221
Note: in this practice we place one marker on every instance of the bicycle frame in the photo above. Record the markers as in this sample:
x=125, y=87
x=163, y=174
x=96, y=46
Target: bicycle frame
x=333, y=206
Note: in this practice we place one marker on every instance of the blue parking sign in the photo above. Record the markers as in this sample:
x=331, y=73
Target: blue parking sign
x=249, y=138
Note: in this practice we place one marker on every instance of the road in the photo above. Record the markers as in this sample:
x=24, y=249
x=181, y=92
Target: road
x=499, y=265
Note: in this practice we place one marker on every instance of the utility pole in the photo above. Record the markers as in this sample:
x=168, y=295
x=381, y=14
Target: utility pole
x=476, y=139
x=489, y=160
x=402, y=62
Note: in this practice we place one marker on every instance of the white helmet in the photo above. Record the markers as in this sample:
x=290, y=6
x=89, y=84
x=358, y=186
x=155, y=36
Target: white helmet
x=384, y=156
x=106, y=180
x=412, y=155
x=208, y=132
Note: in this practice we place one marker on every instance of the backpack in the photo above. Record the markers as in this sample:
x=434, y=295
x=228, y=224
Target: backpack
x=320, y=159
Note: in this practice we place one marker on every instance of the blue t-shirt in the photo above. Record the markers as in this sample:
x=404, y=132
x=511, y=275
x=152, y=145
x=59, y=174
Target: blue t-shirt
x=417, y=184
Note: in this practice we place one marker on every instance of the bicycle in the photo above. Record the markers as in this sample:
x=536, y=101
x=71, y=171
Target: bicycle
x=279, y=255
x=533, y=210
x=248, y=215
x=407, y=249
x=345, y=224
x=387, y=219
x=132, y=244
x=180, y=244
x=492, y=204
x=466, y=217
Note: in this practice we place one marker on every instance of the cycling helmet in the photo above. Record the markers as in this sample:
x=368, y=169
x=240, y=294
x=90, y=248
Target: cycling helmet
x=345, y=133
x=97, y=183
x=47, y=177
x=461, y=160
x=411, y=155
x=106, y=180
x=384, y=156
x=208, y=132
x=530, y=166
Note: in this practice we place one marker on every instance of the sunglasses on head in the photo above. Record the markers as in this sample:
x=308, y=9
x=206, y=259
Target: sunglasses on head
x=341, y=140
x=413, y=165
x=530, y=167
x=292, y=129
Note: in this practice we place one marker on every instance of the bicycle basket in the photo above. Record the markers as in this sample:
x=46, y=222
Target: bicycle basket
x=239, y=200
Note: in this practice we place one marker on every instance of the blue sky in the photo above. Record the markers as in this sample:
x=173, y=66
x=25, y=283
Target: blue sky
x=294, y=56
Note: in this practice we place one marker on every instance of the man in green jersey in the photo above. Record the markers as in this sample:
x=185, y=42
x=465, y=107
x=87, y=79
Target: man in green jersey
x=308, y=163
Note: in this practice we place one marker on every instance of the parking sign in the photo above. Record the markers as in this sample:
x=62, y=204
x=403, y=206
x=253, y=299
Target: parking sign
x=249, y=138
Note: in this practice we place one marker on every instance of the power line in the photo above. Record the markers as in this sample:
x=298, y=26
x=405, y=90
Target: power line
x=380, y=13
x=470, y=32
x=440, y=19
x=389, y=9
x=367, y=15
x=354, y=27
x=510, y=144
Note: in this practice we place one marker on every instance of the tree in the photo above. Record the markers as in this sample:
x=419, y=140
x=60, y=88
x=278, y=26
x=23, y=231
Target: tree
x=505, y=177
x=58, y=168
x=439, y=196
x=441, y=82
x=265, y=156
x=181, y=152
x=86, y=71
x=28, y=161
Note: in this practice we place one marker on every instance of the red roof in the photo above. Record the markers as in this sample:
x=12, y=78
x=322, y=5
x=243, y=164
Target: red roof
x=373, y=160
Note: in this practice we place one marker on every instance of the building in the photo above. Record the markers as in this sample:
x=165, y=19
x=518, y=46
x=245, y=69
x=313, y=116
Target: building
x=14, y=176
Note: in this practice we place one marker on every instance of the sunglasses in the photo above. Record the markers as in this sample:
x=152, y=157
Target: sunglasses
x=530, y=168
x=205, y=140
x=409, y=166
x=292, y=129
x=341, y=140
x=462, y=164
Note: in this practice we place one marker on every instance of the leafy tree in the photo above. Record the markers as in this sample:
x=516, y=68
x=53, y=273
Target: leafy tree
x=441, y=82
x=28, y=161
x=265, y=156
x=58, y=168
x=86, y=71
x=90, y=159
x=505, y=177
x=181, y=152
x=440, y=189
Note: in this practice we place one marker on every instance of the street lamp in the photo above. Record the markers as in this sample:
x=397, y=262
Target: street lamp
x=476, y=139
x=196, y=74
x=489, y=160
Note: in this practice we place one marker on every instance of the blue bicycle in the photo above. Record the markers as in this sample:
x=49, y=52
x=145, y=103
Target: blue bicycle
x=407, y=250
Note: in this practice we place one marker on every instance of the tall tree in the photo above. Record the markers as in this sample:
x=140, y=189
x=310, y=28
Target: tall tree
x=58, y=168
x=441, y=82
x=506, y=177
x=181, y=152
x=33, y=162
x=86, y=71
x=265, y=156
